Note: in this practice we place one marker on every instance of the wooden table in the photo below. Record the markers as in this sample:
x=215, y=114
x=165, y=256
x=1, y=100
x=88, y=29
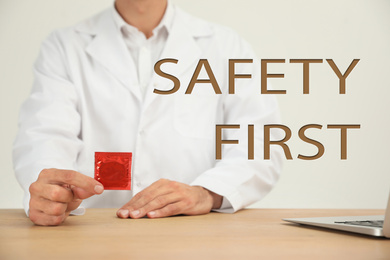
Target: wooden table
x=247, y=234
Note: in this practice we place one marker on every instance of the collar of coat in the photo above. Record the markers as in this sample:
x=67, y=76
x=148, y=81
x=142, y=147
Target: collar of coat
x=104, y=21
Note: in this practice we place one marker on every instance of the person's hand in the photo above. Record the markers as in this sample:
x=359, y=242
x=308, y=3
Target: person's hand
x=57, y=192
x=167, y=198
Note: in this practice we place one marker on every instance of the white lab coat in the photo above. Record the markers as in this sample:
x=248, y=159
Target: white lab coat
x=86, y=98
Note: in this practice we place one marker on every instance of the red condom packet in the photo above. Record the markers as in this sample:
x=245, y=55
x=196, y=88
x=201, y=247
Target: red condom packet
x=113, y=170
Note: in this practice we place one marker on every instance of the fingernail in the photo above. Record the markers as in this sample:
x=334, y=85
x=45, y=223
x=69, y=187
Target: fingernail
x=135, y=213
x=124, y=213
x=152, y=213
x=99, y=189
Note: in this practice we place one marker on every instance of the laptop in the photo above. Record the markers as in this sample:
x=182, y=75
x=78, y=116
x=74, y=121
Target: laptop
x=378, y=226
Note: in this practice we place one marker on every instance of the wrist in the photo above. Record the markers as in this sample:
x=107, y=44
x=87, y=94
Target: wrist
x=216, y=200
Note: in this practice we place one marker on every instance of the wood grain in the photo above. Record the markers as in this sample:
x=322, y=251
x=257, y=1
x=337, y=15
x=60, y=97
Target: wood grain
x=247, y=234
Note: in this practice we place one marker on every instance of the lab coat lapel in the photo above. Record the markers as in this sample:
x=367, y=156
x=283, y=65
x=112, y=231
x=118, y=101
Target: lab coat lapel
x=109, y=49
x=181, y=46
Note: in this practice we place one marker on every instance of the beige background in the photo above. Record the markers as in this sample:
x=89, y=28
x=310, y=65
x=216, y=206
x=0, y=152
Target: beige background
x=340, y=30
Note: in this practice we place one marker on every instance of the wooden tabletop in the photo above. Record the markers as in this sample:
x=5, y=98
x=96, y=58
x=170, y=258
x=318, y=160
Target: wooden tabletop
x=247, y=234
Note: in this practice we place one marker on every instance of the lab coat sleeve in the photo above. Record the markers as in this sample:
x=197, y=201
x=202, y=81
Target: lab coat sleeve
x=49, y=122
x=239, y=180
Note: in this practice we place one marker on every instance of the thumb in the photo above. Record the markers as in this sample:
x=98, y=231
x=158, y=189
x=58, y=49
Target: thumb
x=80, y=194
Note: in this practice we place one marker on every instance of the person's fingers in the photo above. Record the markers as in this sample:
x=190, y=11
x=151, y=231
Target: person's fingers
x=169, y=210
x=131, y=209
x=42, y=219
x=140, y=199
x=157, y=203
x=80, y=194
x=54, y=208
x=51, y=192
x=57, y=192
x=56, y=176
x=73, y=205
x=168, y=198
x=49, y=207
x=155, y=189
x=123, y=213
